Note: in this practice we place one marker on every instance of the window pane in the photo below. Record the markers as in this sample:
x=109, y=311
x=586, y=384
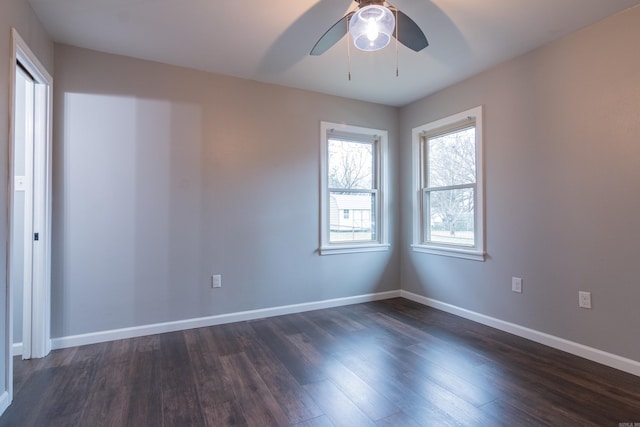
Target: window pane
x=450, y=216
x=350, y=164
x=360, y=223
x=452, y=158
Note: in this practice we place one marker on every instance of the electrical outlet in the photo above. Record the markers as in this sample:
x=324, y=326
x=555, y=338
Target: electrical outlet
x=584, y=299
x=516, y=284
x=216, y=281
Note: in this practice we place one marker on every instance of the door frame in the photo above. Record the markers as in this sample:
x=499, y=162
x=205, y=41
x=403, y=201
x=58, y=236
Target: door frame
x=42, y=177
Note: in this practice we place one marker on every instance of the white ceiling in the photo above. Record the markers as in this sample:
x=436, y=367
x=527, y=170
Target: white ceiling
x=269, y=41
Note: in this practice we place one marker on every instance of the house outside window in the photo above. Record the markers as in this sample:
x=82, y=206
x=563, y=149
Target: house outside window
x=353, y=202
x=448, y=186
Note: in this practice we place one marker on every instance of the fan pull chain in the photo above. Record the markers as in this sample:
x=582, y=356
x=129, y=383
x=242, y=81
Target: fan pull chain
x=397, y=67
x=348, y=51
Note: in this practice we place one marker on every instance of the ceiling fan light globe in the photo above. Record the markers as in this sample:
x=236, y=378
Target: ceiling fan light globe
x=371, y=27
x=372, y=30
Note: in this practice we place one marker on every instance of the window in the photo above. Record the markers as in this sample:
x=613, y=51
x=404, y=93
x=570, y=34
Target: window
x=353, y=204
x=448, y=189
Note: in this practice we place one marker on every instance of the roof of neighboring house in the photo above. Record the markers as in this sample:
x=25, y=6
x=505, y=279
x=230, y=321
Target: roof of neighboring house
x=352, y=201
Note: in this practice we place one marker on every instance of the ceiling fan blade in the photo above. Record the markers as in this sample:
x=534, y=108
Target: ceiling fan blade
x=332, y=36
x=409, y=34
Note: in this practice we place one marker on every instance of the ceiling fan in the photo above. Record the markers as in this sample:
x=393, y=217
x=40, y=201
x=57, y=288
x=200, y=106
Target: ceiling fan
x=371, y=26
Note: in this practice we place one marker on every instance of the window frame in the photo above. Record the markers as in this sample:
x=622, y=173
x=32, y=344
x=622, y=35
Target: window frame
x=420, y=137
x=379, y=138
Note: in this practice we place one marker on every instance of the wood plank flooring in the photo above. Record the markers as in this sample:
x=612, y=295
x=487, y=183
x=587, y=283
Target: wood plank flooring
x=387, y=363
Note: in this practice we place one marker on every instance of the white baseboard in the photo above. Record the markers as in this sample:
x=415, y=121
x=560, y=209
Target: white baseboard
x=17, y=349
x=4, y=402
x=180, y=325
x=608, y=359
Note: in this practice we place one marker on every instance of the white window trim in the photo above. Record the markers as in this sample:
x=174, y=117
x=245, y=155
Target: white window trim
x=326, y=247
x=476, y=253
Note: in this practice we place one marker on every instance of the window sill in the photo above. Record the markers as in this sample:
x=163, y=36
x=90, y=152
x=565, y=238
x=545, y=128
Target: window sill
x=451, y=252
x=350, y=249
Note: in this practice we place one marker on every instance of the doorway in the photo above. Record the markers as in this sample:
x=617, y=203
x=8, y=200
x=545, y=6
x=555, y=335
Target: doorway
x=29, y=254
x=22, y=212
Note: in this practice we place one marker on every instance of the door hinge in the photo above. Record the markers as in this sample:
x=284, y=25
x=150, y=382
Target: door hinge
x=36, y=236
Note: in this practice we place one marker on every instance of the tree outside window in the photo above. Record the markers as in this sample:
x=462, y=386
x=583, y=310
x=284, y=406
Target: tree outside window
x=451, y=165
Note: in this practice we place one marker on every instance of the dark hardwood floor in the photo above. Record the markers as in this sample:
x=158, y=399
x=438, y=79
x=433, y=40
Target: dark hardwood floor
x=388, y=363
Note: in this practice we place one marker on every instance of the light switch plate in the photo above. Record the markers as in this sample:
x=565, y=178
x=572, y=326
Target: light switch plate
x=20, y=183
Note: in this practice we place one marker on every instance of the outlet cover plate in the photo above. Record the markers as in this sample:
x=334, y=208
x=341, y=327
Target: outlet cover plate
x=584, y=299
x=216, y=281
x=516, y=284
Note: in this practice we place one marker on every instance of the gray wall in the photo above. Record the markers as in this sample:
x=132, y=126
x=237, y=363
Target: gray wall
x=164, y=176
x=18, y=14
x=562, y=172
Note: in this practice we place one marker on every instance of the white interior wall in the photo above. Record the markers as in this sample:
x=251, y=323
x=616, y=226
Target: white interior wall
x=17, y=229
